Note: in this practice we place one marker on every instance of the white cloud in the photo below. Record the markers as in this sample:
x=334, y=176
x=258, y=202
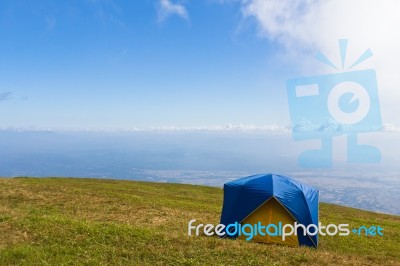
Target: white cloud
x=390, y=128
x=167, y=9
x=230, y=127
x=273, y=128
x=303, y=26
x=277, y=19
x=217, y=128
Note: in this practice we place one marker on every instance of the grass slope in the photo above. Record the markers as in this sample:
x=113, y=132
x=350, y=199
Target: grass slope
x=102, y=222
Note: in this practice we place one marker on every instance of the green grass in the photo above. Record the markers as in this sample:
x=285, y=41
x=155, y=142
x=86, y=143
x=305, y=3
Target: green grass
x=62, y=221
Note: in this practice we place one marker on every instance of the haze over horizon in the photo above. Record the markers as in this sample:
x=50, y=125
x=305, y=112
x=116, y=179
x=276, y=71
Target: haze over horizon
x=200, y=157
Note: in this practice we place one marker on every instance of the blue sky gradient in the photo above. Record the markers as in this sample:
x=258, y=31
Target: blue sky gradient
x=118, y=65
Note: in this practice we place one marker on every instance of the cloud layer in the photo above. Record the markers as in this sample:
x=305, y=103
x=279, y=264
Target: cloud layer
x=305, y=26
x=167, y=9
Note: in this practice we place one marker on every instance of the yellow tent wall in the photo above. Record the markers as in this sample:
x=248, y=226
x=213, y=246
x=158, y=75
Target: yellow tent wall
x=271, y=212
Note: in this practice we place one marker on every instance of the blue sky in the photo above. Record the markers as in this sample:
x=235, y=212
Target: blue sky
x=124, y=64
x=119, y=64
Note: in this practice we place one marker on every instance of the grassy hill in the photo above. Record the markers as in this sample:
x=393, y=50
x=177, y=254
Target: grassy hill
x=101, y=222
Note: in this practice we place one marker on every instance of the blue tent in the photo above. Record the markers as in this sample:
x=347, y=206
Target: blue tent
x=271, y=197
